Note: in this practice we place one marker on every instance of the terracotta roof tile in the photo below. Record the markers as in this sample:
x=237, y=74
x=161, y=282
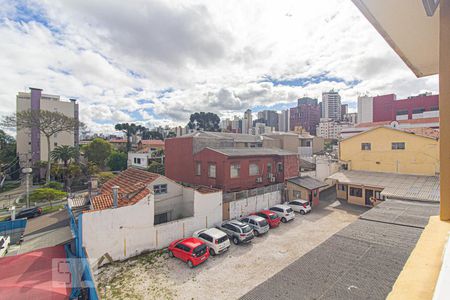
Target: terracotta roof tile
x=206, y=190
x=424, y=131
x=157, y=143
x=129, y=180
x=118, y=141
x=105, y=201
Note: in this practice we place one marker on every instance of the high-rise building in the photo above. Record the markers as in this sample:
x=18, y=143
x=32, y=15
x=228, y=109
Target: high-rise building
x=329, y=129
x=344, y=110
x=365, y=109
x=247, y=122
x=284, y=121
x=306, y=115
x=331, y=105
x=31, y=144
x=269, y=117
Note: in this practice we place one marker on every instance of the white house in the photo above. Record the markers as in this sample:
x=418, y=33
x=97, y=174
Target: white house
x=150, y=212
x=147, y=151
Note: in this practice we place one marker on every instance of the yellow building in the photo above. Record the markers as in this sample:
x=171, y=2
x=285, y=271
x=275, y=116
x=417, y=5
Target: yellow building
x=389, y=150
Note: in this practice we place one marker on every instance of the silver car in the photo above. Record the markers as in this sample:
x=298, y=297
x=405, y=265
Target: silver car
x=257, y=223
x=237, y=231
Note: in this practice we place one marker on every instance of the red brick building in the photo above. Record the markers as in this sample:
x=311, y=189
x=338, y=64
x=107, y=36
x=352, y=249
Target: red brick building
x=387, y=108
x=230, y=169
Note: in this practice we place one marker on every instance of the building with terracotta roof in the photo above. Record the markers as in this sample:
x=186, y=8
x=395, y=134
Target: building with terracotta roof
x=139, y=211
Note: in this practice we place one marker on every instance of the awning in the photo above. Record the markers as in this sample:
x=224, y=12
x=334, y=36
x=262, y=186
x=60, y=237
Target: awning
x=404, y=24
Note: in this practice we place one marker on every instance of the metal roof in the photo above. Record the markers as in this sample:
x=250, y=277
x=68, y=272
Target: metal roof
x=307, y=182
x=395, y=186
x=236, y=137
x=252, y=151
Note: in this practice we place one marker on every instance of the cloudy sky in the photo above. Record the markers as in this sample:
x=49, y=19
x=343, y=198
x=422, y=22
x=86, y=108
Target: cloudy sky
x=156, y=62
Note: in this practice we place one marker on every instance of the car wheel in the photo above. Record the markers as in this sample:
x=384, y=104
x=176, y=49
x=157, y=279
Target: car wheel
x=283, y=220
x=170, y=254
x=255, y=232
x=302, y=212
x=212, y=252
x=235, y=241
x=190, y=264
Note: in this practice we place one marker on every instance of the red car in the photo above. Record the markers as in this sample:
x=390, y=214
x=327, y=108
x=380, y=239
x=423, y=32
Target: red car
x=190, y=250
x=271, y=217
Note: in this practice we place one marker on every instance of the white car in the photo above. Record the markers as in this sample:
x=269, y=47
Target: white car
x=301, y=206
x=4, y=243
x=215, y=239
x=284, y=212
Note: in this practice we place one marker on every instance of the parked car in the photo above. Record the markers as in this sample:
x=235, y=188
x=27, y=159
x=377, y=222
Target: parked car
x=284, y=212
x=257, y=223
x=300, y=206
x=271, y=217
x=190, y=250
x=217, y=240
x=237, y=231
x=4, y=244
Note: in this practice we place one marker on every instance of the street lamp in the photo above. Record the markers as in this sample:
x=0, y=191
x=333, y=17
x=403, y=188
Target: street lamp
x=27, y=172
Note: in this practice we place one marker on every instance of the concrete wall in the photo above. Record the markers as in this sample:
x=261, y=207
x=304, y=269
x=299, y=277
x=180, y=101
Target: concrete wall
x=325, y=168
x=253, y=204
x=173, y=201
x=420, y=156
x=127, y=231
x=142, y=156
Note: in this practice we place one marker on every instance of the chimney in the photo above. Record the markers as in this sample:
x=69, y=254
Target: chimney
x=115, y=190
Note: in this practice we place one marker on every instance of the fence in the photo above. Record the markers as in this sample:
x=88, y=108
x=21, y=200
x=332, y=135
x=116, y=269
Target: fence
x=80, y=267
x=13, y=229
x=235, y=196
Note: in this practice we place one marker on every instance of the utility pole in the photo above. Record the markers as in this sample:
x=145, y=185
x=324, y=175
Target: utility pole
x=27, y=172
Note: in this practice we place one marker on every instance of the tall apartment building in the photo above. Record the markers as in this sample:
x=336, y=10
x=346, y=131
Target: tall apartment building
x=306, y=115
x=329, y=129
x=247, y=122
x=344, y=110
x=365, y=109
x=31, y=144
x=284, y=121
x=331, y=105
x=269, y=117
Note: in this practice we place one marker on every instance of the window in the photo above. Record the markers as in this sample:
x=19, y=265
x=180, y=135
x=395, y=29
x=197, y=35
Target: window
x=253, y=169
x=198, y=168
x=355, y=192
x=315, y=193
x=418, y=110
x=297, y=194
x=434, y=108
x=341, y=187
x=206, y=237
x=160, y=189
x=252, y=222
x=366, y=146
x=56, y=144
x=212, y=170
x=137, y=160
x=161, y=218
x=269, y=168
x=377, y=195
x=398, y=146
x=402, y=112
x=280, y=167
x=235, y=170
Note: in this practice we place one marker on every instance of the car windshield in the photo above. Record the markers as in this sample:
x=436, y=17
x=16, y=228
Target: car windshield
x=222, y=239
x=289, y=210
x=273, y=217
x=262, y=223
x=200, y=250
x=246, y=229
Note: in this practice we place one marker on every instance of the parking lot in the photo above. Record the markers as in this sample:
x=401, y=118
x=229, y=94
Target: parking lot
x=233, y=274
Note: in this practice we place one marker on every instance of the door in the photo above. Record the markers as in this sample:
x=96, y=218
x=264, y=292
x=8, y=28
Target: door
x=226, y=211
x=369, y=194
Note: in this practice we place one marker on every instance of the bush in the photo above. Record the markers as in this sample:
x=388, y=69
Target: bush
x=105, y=176
x=156, y=167
x=54, y=185
x=47, y=194
x=117, y=161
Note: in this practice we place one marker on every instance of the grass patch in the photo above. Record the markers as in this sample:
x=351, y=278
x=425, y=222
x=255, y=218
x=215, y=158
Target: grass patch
x=48, y=209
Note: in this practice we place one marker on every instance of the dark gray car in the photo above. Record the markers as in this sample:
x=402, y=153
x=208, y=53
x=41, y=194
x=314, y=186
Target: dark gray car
x=237, y=231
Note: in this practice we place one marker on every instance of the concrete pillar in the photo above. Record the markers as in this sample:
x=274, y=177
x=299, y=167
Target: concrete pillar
x=444, y=107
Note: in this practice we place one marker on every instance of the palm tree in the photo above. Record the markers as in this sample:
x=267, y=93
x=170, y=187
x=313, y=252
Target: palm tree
x=64, y=153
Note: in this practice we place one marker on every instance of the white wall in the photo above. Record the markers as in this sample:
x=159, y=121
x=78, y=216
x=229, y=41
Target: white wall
x=253, y=204
x=325, y=168
x=127, y=231
x=365, y=109
x=142, y=156
x=173, y=201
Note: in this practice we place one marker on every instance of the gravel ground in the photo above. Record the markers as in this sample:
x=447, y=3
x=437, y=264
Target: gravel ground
x=227, y=276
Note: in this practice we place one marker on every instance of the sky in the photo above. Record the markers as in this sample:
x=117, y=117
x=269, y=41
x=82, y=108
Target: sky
x=156, y=62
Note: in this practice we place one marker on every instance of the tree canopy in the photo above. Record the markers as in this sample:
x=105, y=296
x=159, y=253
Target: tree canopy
x=47, y=194
x=151, y=135
x=129, y=130
x=156, y=167
x=64, y=153
x=7, y=148
x=49, y=123
x=117, y=161
x=98, y=151
x=204, y=121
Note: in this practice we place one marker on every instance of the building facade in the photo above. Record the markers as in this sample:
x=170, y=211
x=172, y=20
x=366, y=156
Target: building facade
x=385, y=149
x=329, y=129
x=306, y=115
x=284, y=121
x=331, y=105
x=247, y=122
x=269, y=118
x=365, y=109
x=31, y=144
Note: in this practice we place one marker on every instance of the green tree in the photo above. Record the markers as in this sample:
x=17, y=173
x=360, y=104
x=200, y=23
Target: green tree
x=64, y=153
x=47, y=194
x=156, y=167
x=129, y=130
x=117, y=161
x=54, y=185
x=171, y=134
x=7, y=148
x=152, y=135
x=98, y=151
x=49, y=123
x=204, y=121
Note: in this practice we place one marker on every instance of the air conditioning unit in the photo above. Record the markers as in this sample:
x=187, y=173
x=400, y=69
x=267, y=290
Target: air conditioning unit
x=259, y=179
x=272, y=179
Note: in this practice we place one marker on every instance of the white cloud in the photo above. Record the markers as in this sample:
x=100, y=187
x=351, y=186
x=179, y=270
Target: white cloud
x=209, y=55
